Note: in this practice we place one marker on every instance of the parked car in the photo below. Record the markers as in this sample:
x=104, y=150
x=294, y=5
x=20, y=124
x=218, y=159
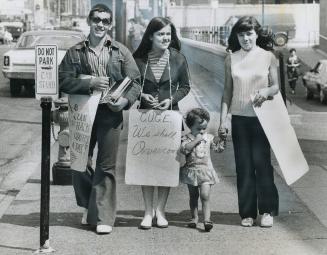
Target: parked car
x=281, y=24
x=19, y=62
x=16, y=28
x=315, y=81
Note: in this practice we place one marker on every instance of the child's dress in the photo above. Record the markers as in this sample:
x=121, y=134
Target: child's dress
x=198, y=168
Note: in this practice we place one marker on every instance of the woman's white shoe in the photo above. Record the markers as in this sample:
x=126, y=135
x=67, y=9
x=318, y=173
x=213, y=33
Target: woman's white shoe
x=247, y=222
x=267, y=220
x=84, y=218
x=146, y=222
x=161, y=220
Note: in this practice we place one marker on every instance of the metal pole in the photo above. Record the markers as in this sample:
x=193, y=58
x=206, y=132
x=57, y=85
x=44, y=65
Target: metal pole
x=263, y=12
x=46, y=104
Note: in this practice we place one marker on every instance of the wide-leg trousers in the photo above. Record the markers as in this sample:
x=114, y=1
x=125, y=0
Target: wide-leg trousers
x=255, y=180
x=98, y=193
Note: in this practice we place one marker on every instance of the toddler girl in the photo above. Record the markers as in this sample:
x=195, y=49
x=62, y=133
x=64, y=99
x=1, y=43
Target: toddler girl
x=198, y=172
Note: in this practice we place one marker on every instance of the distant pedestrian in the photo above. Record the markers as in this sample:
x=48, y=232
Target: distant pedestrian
x=136, y=32
x=198, y=172
x=250, y=69
x=7, y=37
x=293, y=63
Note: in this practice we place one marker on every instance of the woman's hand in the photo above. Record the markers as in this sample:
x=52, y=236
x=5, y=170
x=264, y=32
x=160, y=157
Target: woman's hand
x=163, y=105
x=149, y=100
x=260, y=96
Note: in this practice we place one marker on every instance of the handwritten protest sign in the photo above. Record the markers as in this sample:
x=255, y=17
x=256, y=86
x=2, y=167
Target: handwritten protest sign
x=82, y=110
x=154, y=139
x=276, y=123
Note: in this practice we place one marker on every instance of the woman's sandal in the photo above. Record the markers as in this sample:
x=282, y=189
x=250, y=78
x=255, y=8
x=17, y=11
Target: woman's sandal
x=208, y=225
x=192, y=224
x=147, y=227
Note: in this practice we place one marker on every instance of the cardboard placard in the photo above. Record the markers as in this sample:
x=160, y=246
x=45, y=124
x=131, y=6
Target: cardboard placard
x=154, y=139
x=82, y=110
x=276, y=123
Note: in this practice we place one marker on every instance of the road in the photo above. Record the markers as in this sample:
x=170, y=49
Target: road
x=20, y=131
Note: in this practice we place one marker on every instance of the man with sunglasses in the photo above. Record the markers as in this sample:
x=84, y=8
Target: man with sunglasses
x=100, y=61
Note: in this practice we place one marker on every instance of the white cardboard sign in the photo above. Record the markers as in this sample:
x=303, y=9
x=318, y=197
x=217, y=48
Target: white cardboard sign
x=276, y=123
x=46, y=71
x=154, y=139
x=81, y=112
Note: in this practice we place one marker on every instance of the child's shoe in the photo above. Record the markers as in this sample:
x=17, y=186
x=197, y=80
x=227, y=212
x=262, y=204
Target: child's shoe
x=192, y=223
x=267, y=220
x=208, y=225
x=247, y=222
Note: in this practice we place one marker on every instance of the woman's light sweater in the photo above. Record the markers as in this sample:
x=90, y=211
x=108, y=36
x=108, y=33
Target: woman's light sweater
x=250, y=70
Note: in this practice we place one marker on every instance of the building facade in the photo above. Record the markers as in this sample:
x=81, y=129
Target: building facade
x=211, y=2
x=323, y=26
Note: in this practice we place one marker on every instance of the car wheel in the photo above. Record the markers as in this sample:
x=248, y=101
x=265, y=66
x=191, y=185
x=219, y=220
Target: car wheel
x=280, y=40
x=15, y=87
x=322, y=96
x=309, y=94
x=30, y=90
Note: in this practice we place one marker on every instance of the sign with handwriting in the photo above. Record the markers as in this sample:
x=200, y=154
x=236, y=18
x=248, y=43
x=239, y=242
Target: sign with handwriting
x=81, y=115
x=154, y=139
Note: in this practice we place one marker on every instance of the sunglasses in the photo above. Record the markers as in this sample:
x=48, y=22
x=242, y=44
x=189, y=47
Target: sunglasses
x=97, y=20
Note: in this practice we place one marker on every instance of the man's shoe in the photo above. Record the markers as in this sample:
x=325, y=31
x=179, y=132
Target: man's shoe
x=247, y=222
x=267, y=220
x=84, y=218
x=104, y=229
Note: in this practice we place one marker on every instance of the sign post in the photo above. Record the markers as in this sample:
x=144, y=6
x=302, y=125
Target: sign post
x=46, y=90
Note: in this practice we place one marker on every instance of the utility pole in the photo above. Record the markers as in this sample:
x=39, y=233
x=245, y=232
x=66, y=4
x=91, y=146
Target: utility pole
x=263, y=12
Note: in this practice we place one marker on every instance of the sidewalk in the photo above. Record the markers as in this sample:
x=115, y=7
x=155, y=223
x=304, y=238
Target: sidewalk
x=296, y=230
x=301, y=227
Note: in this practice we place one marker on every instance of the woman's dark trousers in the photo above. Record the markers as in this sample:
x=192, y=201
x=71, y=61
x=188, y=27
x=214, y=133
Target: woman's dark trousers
x=255, y=179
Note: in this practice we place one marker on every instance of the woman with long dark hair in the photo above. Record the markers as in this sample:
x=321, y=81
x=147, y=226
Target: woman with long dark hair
x=165, y=81
x=250, y=69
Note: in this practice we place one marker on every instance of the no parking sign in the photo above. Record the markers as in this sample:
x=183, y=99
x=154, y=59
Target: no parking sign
x=46, y=72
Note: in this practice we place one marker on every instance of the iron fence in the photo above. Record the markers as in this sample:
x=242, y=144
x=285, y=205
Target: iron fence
x=213, y=34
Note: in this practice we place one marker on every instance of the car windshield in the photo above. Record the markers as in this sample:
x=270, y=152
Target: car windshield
x=62, y=41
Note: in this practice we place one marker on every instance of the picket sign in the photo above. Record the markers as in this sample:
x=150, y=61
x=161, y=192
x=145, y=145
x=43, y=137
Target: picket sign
x=276, y=124
x=154, y=139
x=81, y=115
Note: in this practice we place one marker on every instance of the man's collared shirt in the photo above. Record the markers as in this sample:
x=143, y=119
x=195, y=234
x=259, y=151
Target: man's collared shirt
x=99, y=63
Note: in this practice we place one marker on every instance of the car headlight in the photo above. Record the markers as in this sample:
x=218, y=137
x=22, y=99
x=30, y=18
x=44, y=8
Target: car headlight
x=6, y=61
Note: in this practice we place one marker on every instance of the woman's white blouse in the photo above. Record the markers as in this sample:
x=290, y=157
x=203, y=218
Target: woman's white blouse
x=249, y=73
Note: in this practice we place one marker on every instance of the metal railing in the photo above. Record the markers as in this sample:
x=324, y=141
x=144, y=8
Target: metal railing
x=213, y=34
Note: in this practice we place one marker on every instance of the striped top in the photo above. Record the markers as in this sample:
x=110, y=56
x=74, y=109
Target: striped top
x=250, y=72
x=158, y=64
x=99, y=63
